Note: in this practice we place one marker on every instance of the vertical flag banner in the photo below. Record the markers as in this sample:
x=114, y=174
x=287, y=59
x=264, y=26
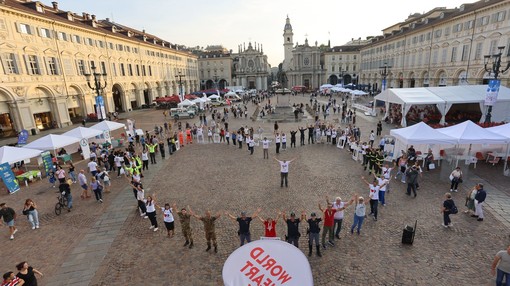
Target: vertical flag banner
x=492, y=92
x=100, y=110
x=48, y=164
x=23, y=137
x=85, y=148
x=8, y=178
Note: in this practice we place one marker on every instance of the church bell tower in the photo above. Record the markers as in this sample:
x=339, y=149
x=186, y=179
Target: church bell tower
x=288, y=43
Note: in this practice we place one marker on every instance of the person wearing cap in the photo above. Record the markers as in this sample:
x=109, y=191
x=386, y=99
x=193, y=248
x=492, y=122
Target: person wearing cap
x=339, y=215
x=244, y=225
x=293, y=234
x=8, y=215
x=265, y=147
x=270, y=225
x=284, y=171
x=359, y=213
x=313, y=233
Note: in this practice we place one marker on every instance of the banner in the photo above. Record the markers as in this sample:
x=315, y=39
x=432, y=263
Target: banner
x=131, y=126
x=100, y=110
x=47, y=162
x=85, y=148
x=106, y=136
x=383, y=84
x=23, y=137
x=492, y=92
x=267, y=262
x=8, y=178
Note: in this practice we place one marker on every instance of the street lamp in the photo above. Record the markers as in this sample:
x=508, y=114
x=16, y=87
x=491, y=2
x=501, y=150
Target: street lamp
x=492, y=64
x=384, y=71
x=179, y=78
x=97, y=87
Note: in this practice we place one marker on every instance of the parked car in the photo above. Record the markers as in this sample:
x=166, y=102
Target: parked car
x=178, y=113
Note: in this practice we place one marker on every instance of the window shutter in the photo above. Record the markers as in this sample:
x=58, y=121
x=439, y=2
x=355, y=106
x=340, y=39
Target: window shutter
x=39, y=65
x=18, y=29
x=27, y=65
x=57, y=66
x=17, y=64
x=2, y=62
x=47, y=66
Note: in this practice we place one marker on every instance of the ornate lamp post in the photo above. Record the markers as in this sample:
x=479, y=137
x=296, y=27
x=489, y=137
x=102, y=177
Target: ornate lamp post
x=97, y=87
x=384, y=71
x=492, y=64
x=179, y=77
x=342, y=77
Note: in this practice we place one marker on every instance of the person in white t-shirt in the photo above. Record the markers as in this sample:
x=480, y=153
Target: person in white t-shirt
x=371, y=138
x=284, y=141
x=383, y=183
x=168, y=219
x=284, y=171
x=338, y=217
x=277, y=140
x=251, y=144
x=374, y=196
x=265, y=147
x=92, y=165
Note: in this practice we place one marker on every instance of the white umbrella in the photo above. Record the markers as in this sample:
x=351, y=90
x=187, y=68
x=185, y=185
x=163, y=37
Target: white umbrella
x=12, y=155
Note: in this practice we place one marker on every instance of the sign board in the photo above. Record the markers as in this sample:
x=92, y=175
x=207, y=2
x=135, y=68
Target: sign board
x=492, y=92
x=100, y=110
x=23, y=137
x=47, y=162
x=267, y=262
x=85, y=148
x=8, y=178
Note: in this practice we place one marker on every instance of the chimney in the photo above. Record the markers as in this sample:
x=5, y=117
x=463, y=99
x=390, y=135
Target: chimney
x=84, y=15
x=107, y=19
x=55, y=5
x=93, y=17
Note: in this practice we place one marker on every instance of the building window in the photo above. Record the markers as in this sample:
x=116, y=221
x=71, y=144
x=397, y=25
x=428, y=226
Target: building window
x=25, y=29
x=484, y=21
x=100, y=44
x=76, y=39
x=90, y=42
x=52, y=66
x=128, y=49
x=62, y=36
x=438, y=33
x=457, y=28
x=45, y=33
x=500, y=16
x=122, y=71
x=111, y=46
x=469, y=25
x=81, y=67
x=465, y=53
x=478, y=51
x=493, y=47
x=103, y=67
x=10, y=63
x=137, y=70
x=130, y=70
x=454, y=55
x=143, y=70
x=447, y=31
x=332, y=68
x=33, y=64
x=150, y=71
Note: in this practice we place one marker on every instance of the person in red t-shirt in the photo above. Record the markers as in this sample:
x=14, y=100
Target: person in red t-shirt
x=270, y=226
x=11, y=280
x=329, y=223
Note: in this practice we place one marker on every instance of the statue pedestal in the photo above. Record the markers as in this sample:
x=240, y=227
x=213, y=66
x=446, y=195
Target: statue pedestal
x=283, y=100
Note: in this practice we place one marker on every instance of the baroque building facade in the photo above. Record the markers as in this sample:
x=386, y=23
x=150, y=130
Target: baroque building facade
x=46, y=52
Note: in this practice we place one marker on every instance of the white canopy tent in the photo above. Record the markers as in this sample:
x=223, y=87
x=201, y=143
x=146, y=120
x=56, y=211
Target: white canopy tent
x=83, y=132
x=185, y=103
x=107, y=125
x=445, y=97
x=421, y=133
x=12, y=155
x=52, y=142
x=468, y=132
x=503, y=130
x=214, y=96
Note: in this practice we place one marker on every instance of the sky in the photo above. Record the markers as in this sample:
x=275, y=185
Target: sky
x=232, y=22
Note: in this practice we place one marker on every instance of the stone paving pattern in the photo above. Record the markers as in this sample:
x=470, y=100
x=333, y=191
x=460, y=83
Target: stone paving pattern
x=110, y=244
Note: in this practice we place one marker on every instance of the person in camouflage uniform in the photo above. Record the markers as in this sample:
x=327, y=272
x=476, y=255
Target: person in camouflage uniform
x=209, y=227
x=185, y=219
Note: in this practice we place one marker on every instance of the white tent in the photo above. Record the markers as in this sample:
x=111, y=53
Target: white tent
x=468, y=132
x=421, y=133
x=445, y=97
x=12, y=155
x=52, y=142
x=186, y=102
x=230, y=93
x=205, y=98
x=214, y=96
x=107, y=125
x=83, y=132
x=503, y=130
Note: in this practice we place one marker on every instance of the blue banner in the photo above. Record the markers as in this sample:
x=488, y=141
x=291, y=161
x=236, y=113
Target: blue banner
x=492, y=92
x=8, y=178
x=23, y=137
x=383, y=84
x=47, y=162
x=100, y=109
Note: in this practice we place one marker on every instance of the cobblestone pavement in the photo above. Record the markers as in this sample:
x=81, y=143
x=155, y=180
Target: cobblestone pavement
x=219, y=177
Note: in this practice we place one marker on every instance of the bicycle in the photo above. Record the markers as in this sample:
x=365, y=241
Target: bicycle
x=62, y=203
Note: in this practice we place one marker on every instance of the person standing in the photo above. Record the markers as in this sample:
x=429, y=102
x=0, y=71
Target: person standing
x=27, y=273
x=150, y=206
x=82, y=180
x=284, y=141
x=329, y=224
x=11, y=280
x=145, y=160
x=379, y=128
x=302, y=136
x=339, y=215
x=456, y=178
x=251, y=145
x=447, y=210
x=30, y=210
x=270, y=226
x=185, y=220
x=359, y=214
x=97, y=188
x=501, y=267
x=92, y=165
x=277, y=142
x=72, y=172
x=371, y=139
x=479, y=199
x=284, y=172
x=412, y=179
x=8, y=215
x=382, y=182
x=265, y=147
x=293, y=228
x=209, y=227
x=152, y=151
x=244, y=225
x=313, y=233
